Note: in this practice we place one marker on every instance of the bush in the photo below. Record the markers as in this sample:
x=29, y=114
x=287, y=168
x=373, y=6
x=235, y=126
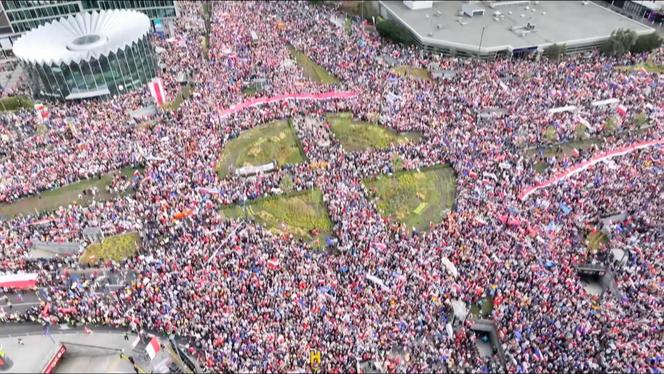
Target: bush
x=619, y=43
x=554, y=52
x=641, y=119
x=394, y=31
x=645, y=43
x=15, y=102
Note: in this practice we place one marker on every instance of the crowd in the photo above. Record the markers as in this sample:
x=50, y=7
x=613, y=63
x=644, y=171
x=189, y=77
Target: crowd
x=249, y=300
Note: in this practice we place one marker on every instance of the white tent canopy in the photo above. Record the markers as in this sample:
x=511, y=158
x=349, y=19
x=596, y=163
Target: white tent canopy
x=568, y=108
x=605, y=102
x=460, y=310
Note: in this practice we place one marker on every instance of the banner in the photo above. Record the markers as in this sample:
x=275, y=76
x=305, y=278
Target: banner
x=152, y=348
x=53, y=362
x=269, y=100
x=571, y=171
x=18, y=281
x=157, y=90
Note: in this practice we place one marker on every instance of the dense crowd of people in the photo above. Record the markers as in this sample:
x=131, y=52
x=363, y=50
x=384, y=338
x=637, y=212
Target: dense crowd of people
x=252, y=301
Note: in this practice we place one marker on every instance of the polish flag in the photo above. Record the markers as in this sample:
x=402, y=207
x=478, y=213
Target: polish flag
x=273, y=264
x=157, y=90
x=42, y=111
x=153, y=348
x=621, y=110
x=18, y=281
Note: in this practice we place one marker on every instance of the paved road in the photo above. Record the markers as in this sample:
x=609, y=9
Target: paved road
x=106, y=282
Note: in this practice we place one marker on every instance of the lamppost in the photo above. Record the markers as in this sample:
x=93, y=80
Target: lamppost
x=479, y=47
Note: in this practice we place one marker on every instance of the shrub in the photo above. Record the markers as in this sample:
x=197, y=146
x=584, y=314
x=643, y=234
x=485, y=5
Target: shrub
x=15, y=102
x=645, y=43
x=394, y=31
x=619, y=43
x=554, y=52
x=641, y=119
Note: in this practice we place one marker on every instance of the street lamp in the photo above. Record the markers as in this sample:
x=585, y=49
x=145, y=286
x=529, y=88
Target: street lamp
x=481, y=38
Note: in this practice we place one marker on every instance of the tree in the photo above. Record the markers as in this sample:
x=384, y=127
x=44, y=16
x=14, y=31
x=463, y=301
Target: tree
x=645, y=43
x=554, y=52
x=619, y=42
x=394, y=31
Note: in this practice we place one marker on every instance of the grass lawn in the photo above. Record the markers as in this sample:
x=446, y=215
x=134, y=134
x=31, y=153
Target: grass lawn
x=596, y=240
x=405, y=70
x=182, y=95
x=358, y=136
x=312, y=70
x=116, y=248
x=53, y=199
x=297, y=214
x=250, y=90
x=649, y=66
x=565, y=148
x=274, y=141
x=561, y=149
x=11, y=103
x=415, y=198
x=483, y=308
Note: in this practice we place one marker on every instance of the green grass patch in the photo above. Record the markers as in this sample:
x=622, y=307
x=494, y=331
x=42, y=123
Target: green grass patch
x=565, y=148
x=357, y=136
x=12, y=103
x=182, y=95
x=116, y=248
x=405, y=70
x=298, y=214
x=274, y=141
x=580, y=131
x=649, y=66
x=312, y=70
x=250, y=90
x=596, y=240
x=550, y=134
x=415, y=198
x=53, y=199
x=483, y=308
x=541, y=167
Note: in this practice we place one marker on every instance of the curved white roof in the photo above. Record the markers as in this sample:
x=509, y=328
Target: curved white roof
x=82, y=36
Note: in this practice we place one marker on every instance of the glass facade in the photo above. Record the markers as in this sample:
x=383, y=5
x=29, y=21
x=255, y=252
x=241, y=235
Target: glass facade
x=24, y=15
x=153, y=8
x=111, y=74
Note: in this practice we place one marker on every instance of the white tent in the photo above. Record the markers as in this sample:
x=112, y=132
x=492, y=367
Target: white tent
x=569, y=108
x=605, y=102
x=460, y=310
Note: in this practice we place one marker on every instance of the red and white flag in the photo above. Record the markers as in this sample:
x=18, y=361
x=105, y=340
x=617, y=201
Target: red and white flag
x=42, y=111
x=18, y=281
x=153, y=348
x=273, y=264
x=157, y=90
x=621, y=110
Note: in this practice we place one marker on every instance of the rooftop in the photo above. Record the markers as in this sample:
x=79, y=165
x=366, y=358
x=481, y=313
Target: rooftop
x=82, y=36
x=561, y=22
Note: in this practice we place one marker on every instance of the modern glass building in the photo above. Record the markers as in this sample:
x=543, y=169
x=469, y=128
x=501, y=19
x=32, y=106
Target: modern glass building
x=24, y=15
x=88, y=55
